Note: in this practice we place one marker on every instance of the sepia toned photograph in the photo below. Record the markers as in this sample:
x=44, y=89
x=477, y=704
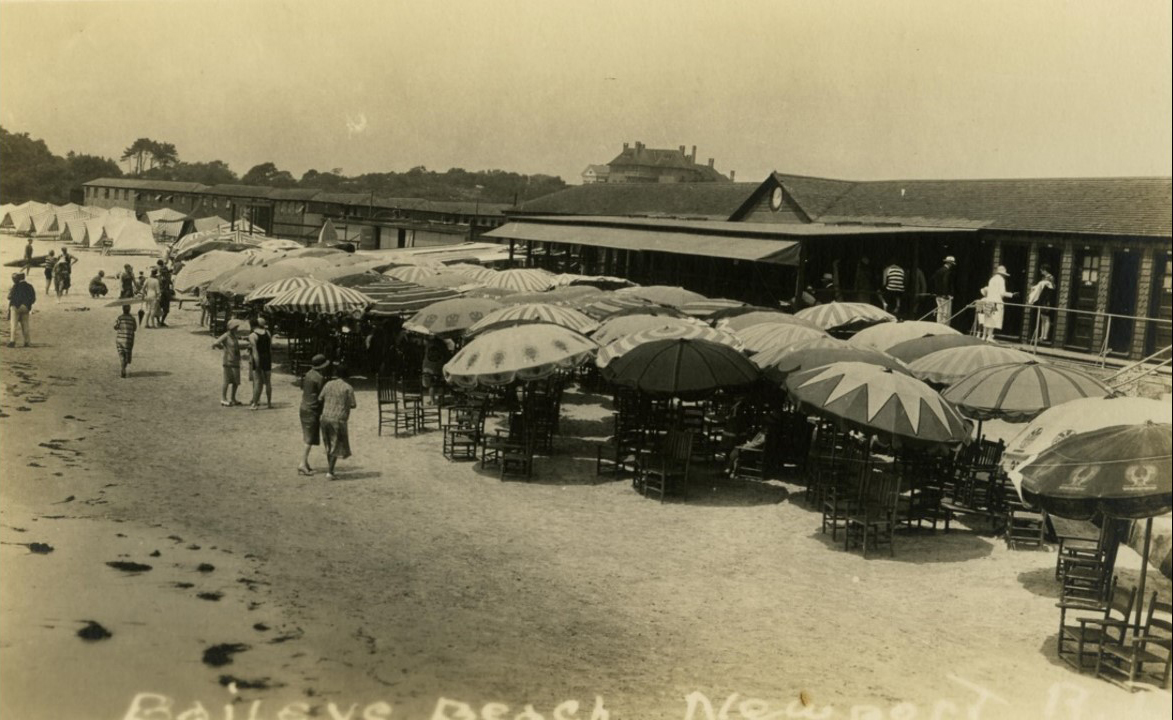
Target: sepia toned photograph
x=610, y=360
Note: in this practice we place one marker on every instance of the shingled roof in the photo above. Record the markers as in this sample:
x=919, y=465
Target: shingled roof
x=140, y=184
x=1116, y=206
x=716, y=201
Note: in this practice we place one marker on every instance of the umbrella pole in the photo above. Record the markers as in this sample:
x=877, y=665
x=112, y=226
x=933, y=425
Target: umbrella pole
x=1144, y=566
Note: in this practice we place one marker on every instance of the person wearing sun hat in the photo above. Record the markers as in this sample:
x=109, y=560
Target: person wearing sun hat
x=942, y=287
x=310, y=412
x=994, y=294
x=20, y=303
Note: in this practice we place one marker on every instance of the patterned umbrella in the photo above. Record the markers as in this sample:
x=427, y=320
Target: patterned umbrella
x=946, y=367
x=279, y=287
x=1018, y=392
x=911, y=350
x=323, y=298
x=535, y=313
x=522, y=280
x=605, y=307
x=615, y=328
x=807, y=358
x=410, y=273
x=450, y=316
x=740, y=322
x=522, y=352
x=663, y=294
x=877, y=400
x=476, y=273
x=706, y=308
x=887, y=335
x=765, y=336
x=840, y=315
x=681, y=367
x=624, y=344
x=770, y=356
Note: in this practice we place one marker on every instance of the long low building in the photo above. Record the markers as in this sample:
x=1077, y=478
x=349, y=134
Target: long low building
x=370, y=222
x=1106, y=240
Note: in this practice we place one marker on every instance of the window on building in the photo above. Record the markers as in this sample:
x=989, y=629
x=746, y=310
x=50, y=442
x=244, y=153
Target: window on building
x=1089, y=270
x=106, y=194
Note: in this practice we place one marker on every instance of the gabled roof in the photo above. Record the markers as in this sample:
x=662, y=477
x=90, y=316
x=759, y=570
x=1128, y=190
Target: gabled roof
x=448, y=207
x=1117, y=206
x=597, y=169
x=685, y=200
x=140, y=184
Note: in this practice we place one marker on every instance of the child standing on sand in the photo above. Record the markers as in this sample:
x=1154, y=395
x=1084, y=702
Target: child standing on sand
x=231, y=363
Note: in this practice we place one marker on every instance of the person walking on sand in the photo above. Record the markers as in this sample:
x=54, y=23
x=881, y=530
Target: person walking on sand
x=310, y=412
x=20, y=303
x=126, y=277
x=124, y=330
x=942, y=287
x=231, y=363
x=338, y=400
x=151, y=292
x=66, y=268
x=994, y=295
x=28, y=256
x=260, y=342
x=50, y=261
x=166, y=290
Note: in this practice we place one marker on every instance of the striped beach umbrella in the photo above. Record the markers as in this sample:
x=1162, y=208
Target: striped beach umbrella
x=522, y=280
x=844, y=314
x=663, y=294
x=477, y=273
x=772, y=355
x=621, y=326
x=521, y=352
x=394, y=298
x=886, y=335
x=756, y=317
x=620, y=346
x=605, y=307
x=279, y=287
x=911, y=350
x=450, y=316
x=447, y=279
x=946, y=367
x=807, y=358
x=410, y=273
x=705, y=308
x=765, y=336
x=1017, y=392
x=879, y=401
x=535, y=313
x=321, y=299
x=568, y=295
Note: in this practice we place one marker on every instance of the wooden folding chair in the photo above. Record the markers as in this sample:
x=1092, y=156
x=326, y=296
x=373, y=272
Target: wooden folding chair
x=1123, y=662
x=668, y=466
x=1084, y=625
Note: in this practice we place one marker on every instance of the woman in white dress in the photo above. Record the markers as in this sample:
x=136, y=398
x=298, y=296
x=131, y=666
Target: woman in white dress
x=993, y=295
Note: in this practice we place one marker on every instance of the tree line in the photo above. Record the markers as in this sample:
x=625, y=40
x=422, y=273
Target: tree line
x=32, y=172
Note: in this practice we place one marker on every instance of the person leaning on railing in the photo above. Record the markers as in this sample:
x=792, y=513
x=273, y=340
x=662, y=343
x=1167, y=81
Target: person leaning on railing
x=942, y=287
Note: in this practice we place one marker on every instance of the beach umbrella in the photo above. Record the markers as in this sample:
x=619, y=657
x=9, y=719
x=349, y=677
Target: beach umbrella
x=410, y=273
x=806, y=357
x=844, y=314
x=887, y=335
x=348, y=269
x=1017, y=392
x=662, y=294
x=521, y=352
x=447, y=279
x=946, y=367
x=1076, y=416
x=1121, y=471
x=765, y=336
x=605, y=307
x=450, y=316
x=911, y=350
x=279, y=287
x=615, y=328
x=243, y=280
x=488, y=292
x=322, y=298
x=323, y=252
x=477, y=273
x=569, y=295
x=203, y=269
x=280, y=244
x=681, y=367
x=603, y=282
x=395, y=298
x=739, y=310
x=522, y=280
x=362, y=279
x=771, y=355
x=878, y=401
x=535, y=313
x=707, y=307
x=757, y=317
x=622, y=345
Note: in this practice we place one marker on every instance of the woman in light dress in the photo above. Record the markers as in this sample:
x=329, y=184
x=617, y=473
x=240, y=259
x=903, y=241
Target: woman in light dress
x=994, y=294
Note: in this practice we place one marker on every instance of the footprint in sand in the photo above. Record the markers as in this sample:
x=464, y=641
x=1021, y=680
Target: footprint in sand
x=129, y=567
x=219, y=655
x=210, y=596
x=93, y=632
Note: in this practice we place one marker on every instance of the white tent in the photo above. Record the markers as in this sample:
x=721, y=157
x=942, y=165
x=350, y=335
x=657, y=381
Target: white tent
x=74, y=231
x=93, y=233
x=122, y=212
x=132, y=238
x=165, y=222
x=206, y=224
x=45, y=225
x=327, y=235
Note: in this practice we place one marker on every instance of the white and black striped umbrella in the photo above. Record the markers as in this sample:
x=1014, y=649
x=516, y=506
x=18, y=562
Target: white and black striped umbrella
x=617, y=348
x=888, y=335
x=279, y=287
x=323, y=299
x=522, y=280
x=765, y=336
x=841, y=314
x=1017, y=392
x=946, y=367
x=535, y=313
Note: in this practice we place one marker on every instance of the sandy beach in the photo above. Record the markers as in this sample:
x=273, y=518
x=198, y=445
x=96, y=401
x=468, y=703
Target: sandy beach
x=414, y=585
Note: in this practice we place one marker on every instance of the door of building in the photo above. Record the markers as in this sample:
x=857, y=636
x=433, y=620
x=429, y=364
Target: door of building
x=1050, y=258
x=1122, y=300
x=1085, y=290
x=1015, y=257
x=1160, y=335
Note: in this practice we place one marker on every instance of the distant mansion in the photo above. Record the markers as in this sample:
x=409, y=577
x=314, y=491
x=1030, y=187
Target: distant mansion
x=641, y=164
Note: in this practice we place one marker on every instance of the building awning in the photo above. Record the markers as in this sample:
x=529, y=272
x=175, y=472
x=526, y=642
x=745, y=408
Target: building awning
x=694, y=241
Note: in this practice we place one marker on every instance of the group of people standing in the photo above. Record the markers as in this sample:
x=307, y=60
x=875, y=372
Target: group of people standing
x=58, y=269
x=155, y=292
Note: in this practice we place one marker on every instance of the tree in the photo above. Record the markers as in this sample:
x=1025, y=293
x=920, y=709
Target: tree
x=150, y=153
x=268, y=174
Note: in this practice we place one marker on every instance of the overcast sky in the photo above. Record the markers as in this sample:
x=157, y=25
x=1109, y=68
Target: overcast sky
x=859, y=90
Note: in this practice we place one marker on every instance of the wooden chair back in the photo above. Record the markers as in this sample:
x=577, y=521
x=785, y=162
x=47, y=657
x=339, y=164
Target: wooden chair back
x=385, y=390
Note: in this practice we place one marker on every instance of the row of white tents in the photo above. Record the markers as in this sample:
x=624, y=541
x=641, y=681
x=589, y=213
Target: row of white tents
x=116, y=230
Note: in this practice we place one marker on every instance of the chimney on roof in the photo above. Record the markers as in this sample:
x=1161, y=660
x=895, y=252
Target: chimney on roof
x=692, y=158
x=682, y=149
x=639, y=146
x=733, y=175
x=710, y=162
x=625, y=147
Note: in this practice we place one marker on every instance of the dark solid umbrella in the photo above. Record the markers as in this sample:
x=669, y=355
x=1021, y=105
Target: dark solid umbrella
x=681, y=367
